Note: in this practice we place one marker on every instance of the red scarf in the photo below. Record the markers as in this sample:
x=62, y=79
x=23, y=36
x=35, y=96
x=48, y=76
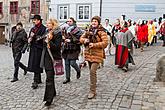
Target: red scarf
x=124, y=30
x=36, y=27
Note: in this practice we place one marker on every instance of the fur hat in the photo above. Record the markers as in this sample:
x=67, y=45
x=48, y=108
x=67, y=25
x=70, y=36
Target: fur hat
x=96, y=18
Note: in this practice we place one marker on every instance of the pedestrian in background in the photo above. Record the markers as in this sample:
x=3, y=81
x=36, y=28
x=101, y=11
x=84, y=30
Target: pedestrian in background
x=108, y=29
x=36, y=47
x=142, y=34
x=19, y=41
x=95, y=41
x=71, y=48
x=162, y=32
x=53, y=43
x=124, y=47
x=115, y=28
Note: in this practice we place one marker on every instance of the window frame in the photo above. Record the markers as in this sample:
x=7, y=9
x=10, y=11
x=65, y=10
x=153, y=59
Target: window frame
x=12, y=9
x=35, y=7
x=1, y=7
x=59, y=12
x=89, y=14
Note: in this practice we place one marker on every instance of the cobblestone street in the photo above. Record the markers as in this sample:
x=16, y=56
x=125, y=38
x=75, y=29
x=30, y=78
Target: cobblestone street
x=116, y=90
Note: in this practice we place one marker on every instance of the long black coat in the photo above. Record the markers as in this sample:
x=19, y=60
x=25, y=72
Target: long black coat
x=19, y=39
x=55, y=48
x=36, y=48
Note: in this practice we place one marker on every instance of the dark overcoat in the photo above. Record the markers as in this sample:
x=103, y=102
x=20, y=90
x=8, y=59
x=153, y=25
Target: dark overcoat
x=19, y=39
x=36, y=48
x=55, y=48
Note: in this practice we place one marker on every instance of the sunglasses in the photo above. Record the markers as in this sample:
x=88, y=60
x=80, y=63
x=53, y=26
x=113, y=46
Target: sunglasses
x=69, y=21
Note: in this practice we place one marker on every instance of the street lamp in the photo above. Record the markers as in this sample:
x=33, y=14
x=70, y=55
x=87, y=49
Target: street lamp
x=100, y=7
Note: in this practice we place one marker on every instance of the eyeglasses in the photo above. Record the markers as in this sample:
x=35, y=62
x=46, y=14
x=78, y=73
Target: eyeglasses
x=69, y=21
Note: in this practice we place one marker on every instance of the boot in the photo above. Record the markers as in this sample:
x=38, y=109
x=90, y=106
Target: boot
x=66, y=81
x=14, y=80
x=91, y=95
x=25, y=71
x=34, y=85
x=78, y=75
x=47, y=103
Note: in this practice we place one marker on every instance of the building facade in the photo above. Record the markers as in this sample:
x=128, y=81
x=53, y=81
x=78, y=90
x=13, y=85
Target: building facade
x=13, y=11
x=83, y=10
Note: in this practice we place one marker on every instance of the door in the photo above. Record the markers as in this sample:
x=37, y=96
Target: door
x=2, y=34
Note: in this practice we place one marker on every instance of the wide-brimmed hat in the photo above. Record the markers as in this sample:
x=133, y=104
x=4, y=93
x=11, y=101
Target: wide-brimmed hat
x=38, y=17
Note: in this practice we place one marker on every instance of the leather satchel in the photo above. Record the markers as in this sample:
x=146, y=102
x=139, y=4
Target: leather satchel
x=57, y=65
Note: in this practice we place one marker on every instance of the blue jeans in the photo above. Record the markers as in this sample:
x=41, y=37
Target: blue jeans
x=68, y=63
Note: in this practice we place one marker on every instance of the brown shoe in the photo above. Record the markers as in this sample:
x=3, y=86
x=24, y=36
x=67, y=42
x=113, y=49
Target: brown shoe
x=91, y=95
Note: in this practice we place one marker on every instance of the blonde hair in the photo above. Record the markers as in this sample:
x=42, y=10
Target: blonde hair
x=54, y=22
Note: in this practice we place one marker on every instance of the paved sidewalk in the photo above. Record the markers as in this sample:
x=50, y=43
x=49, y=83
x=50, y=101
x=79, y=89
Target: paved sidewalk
x=116, y=90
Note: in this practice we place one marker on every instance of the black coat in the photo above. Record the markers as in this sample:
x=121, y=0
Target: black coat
x=55, y=48
x=19, y=39
x=36, y=48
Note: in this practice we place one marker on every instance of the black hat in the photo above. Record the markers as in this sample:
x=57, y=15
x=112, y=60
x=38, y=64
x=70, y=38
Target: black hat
x=19, y=23
x=38, y=17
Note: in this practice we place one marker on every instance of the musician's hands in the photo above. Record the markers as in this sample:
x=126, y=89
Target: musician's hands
x=86, y=41
x=67, y=40
x=31, y=34
x=46, y=40
x=29, y=40
x=90, y=45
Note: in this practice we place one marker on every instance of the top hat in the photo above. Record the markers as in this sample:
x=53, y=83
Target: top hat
x=38, y=17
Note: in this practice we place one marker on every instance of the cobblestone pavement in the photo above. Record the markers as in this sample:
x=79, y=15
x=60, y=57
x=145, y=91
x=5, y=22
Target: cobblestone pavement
x=116, y=90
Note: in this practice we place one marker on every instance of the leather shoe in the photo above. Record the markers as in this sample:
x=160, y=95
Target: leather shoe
x=91, y=95
x=14, y=80
x=78, y=75
x=34, y=85
x=25, y=71
x=39, y=82
x=125, y=69
x=66, y=81
x=47, y=103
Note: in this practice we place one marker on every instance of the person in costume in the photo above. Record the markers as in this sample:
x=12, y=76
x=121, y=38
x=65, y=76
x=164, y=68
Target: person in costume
x=124, y=47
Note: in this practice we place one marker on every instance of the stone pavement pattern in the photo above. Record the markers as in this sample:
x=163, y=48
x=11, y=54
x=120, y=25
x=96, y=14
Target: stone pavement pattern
x=116, y=90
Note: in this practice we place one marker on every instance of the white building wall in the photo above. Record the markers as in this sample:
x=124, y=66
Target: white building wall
x=73, y=7
x=113, y=9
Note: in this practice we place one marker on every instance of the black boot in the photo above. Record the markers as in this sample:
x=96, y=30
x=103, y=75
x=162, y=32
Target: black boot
x=47, y=103
x=14, y=80
x=34, y=85
x=78, y=75
x=25, y=71
x=66, y=81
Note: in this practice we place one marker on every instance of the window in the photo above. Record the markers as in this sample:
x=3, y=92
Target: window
x=63, y=12
x=14, y=7
x=83, y=12
x=1, y=7
x=35, y=7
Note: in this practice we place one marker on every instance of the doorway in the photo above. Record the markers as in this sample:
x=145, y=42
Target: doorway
x=2, y=34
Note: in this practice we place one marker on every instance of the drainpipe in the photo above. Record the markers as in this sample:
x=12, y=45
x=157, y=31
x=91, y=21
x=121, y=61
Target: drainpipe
x=100, y=7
